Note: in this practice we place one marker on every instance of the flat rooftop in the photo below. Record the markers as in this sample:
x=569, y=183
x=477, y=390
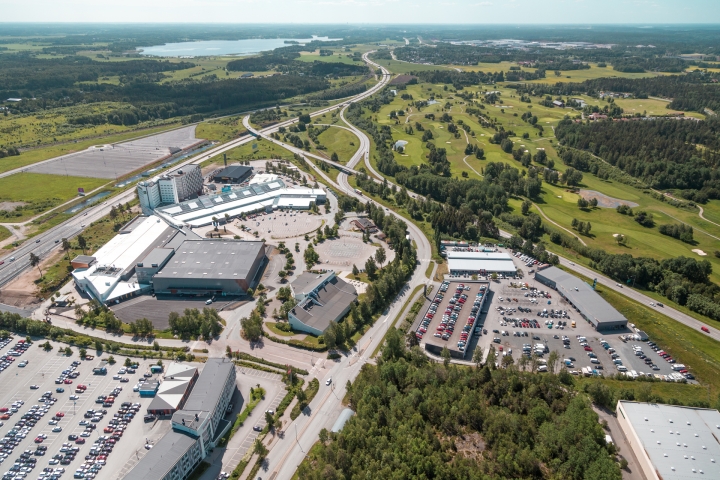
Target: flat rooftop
x=206, y=393
x=203, y=259
x=582, y=296
x=162, y=457
x=676, y=439
x=307, y=282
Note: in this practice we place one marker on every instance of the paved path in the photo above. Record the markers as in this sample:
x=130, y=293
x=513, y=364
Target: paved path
x=701, y=216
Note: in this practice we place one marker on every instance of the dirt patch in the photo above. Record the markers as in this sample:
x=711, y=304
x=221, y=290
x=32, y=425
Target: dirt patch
x=604, y=201
x=470, y=445
x=10, y=206
x=699, y=252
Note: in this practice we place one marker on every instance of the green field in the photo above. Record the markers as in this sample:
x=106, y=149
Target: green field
x=4, y=233
x=340, y=141
x=336, y=57
x=221, y=130
x=35, y=155
x=51, y=126
x=264, y=150
x=43, y=191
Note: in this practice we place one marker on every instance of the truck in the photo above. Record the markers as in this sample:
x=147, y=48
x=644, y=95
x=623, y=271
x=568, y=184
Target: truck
x=101, y=369
x=357, y=190
x=156, y=369
x=587, y=371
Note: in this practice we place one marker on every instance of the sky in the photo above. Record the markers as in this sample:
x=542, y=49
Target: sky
x=364, y=11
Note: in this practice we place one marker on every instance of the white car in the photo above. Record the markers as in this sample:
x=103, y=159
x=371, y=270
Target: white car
x=74, y=397
x=52, y=422
x=328, y=381
x=57, y=429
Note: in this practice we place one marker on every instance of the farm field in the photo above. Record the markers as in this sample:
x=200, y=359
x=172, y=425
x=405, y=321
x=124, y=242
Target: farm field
x=42, y=192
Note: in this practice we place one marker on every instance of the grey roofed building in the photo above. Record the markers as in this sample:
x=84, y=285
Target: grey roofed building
x=212, y=267
x=307, y=282
x=327, y=303
x=174, y=456
x=207, y=391
x=672, y=442
x=233, y=174
x=580, y=295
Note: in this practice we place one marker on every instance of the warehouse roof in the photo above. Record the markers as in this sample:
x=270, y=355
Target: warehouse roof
x=464, y=254
x=581, y=295
x=234, y=172
x=331, y=300
x=157, y=256
x=159, y=460
x=670, y=434
x=224, y=259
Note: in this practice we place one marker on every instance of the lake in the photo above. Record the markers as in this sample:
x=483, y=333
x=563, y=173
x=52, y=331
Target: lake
x=223, y=47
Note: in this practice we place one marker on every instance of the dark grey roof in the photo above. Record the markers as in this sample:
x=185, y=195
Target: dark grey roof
x=162, y=457
x=158, y=403
x=585, y=298
x=307, y=282
x=192, y=418
x=208, y=388
x=317, y=311
x=234, y=172
x=212, y=259
x=84, y=259
x=157, y=256
x=365, y=222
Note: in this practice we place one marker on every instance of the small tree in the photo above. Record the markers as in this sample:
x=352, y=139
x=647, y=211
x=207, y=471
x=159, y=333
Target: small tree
x=111, y=360
x=47, y=347
x=355, y=270
x=82, y=353
x=128, y=362
x=82, y=243
x=68, y=351
x=446, y=356
x=478, y=356
x=35, y=262
x=380, y=256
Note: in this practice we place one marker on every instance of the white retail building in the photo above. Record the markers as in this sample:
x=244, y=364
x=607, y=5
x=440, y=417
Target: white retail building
x=480, y=263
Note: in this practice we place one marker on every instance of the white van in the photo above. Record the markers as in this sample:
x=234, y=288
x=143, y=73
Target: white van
x=622, y=368
x=542, y=368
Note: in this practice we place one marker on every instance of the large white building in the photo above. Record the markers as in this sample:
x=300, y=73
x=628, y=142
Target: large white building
x=268, y=196
x=671, y=442
x=480, y=263
x=171, y=187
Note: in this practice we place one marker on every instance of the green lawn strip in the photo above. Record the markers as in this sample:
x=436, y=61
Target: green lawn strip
x=42, y=191
x=273, y=327
x=238, y=471
x=44, y=153
x=429, y=270
x=310, y=391
x=408, y=318
x=691, y=347
x=669, y=392
x=251, y=358
x=4, y=233
x=340, y=141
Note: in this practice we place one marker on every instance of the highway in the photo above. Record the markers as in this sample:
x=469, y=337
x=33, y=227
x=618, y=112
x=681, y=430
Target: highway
x=44, y=244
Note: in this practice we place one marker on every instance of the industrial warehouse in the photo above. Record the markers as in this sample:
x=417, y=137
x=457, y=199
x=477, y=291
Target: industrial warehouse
x=150, y=255
x=672, y=442
x=583, y=297
x=469, y=262
x=196, y=428
x=267, y=196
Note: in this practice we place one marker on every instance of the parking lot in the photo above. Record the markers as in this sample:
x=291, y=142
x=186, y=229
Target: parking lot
x=515, y=304
x=451, y=317
x=26, y=386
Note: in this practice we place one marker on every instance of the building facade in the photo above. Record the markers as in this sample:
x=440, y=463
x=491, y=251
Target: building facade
x=169, y=188
x=322, y=299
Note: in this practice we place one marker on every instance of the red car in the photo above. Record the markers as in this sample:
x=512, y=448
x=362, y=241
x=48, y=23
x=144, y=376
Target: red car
x=67, y=381
x=108, y=429
x=60, y=414
x=82, y=387
x=80, y=441
x=588, y=349
x=4, y=409
x=38, y=439
x=705, y=329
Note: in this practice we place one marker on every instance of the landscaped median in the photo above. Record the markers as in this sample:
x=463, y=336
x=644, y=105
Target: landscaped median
x=256, y=395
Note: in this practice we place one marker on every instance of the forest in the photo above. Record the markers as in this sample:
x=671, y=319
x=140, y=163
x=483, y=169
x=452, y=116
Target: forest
x=416, y=419
x=662, y=153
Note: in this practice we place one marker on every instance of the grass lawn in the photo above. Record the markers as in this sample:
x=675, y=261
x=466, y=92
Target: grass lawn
x=264, y=150
x=711, y=211
x=43, y=191
x=336, y=57
x=685, y=393
x=340, y=141
x=221, y=130
x=4, y=233
x=93, y=137
x=273, y=327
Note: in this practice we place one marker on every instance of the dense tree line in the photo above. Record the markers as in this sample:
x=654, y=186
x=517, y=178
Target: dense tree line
x=679, y=230
x=661, y=153
x=639, y=65
x=420, y=420
x=194, y=323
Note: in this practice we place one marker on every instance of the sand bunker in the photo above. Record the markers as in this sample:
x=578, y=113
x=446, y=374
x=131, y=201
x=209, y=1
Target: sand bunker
x=699, y=252
x=616, y=235
x=605, y=201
